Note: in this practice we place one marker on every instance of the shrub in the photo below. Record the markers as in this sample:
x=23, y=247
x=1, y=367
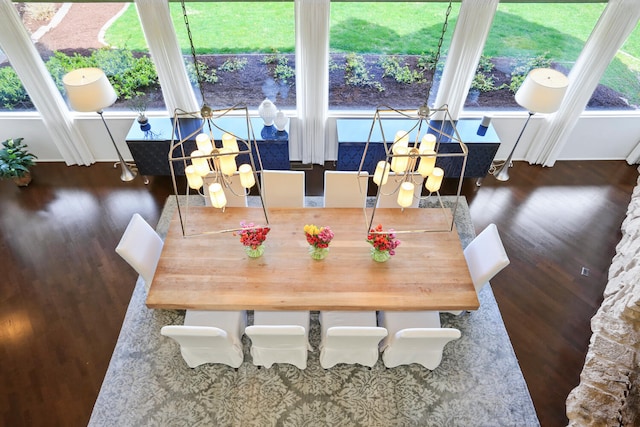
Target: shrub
x=522, y=68
x=356, y=73
x=12, y=93
x=400, y=72
x=208, y=75
x=233, y=64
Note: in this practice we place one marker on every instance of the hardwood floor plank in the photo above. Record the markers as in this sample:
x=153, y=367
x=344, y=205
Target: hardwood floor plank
x=65, y=291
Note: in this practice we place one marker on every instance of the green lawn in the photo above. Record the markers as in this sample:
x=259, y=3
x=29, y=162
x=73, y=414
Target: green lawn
x=525, y=29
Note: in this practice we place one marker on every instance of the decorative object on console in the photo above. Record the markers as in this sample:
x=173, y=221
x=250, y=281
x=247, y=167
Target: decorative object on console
x=280, y=121
x=384, y=243
x=413, y=152
x=541, y=92
x=89, y=89
x=318, y=239
x=253, y=237
x=267, y=111
x=214, y=156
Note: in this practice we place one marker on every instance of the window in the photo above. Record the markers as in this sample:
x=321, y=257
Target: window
x=245, y=51
x=619, y=88
x=382, y=54
x=68, y=36
x=525, y=36
x=13, y=96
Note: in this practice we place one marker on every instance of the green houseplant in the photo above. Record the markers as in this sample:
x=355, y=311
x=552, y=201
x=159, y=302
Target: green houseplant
x=15, y=161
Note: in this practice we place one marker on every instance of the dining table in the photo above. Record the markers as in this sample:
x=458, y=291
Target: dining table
x=211, y=271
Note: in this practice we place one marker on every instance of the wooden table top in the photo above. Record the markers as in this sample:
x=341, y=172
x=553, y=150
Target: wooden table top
x=212, y=271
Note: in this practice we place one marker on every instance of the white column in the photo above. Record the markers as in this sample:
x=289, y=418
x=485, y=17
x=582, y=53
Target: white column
x=312, y=82
x=164, y=48
x=617, y=21
x=467, y=43
x=42, y=90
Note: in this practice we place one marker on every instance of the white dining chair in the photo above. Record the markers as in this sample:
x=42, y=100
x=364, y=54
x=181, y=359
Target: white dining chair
x=210, y=337
x=414, y=337
x=283, y=189
x=485, y=257
x=345, y=189
x=349, y=337
x=141, y=247
x=236, y=194
x=279, y=337
x=389, y=196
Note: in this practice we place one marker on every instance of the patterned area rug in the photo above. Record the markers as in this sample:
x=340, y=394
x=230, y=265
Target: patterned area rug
x=479, y=382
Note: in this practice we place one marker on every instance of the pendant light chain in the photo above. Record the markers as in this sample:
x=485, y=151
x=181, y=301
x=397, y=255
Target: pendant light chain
x=193, y=51
x=437, y=57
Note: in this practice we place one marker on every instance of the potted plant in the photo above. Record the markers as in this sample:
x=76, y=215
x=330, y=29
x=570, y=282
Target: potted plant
x=15, y=161
x=139, y=105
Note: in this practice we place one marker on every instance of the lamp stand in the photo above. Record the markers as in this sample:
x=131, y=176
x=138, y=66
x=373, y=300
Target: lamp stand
x=128, y=172
x=501, y=171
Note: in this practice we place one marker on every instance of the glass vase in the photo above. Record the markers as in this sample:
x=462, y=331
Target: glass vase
x=254, y=253
x=318, y=253
x=380, y=256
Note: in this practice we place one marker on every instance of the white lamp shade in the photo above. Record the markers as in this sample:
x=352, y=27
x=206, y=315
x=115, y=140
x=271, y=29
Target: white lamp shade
x=542, y=90
x=204, y=143
x=218, y=199
x=427, y=163
x=89, y=89
x=247, y=179
x=229, y=141
x=200, y=163
x=428, y=143
x=381, y=173
x=405, y=194
x=227, y=161
x=400, y=162
x=193, y=178
x=434, y=181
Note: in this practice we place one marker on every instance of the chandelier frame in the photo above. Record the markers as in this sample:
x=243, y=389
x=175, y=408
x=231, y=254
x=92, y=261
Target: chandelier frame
x=448, y=148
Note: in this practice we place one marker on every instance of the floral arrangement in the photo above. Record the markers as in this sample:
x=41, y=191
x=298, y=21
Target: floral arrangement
x=252, y=236
x=384, y=241
x=318, y=237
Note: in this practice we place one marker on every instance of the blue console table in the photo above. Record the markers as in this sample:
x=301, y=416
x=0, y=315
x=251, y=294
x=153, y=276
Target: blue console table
x=482, y=142
x=150, y=145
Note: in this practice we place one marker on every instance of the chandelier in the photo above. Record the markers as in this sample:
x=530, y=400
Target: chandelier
x=420, y=146
x=213, y=151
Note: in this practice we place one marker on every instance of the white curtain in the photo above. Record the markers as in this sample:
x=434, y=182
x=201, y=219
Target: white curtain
x=44, y=94
x=164, y=48
x=618, y=20
x=464, y=54
x=312, y=85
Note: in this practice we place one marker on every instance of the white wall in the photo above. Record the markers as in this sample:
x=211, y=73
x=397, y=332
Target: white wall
x=596, y=136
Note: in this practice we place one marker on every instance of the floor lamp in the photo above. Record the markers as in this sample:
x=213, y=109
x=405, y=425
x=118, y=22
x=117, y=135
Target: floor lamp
x=88, y=89
x=541, y=92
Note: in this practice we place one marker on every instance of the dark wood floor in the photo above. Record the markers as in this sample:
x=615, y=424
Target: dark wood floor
x=64, y=291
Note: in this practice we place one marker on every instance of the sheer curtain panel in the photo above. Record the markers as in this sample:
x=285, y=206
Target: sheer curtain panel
x=161, y=38
x=312, y=57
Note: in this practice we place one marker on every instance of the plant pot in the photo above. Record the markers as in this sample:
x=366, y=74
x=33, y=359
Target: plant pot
x=254, y=253
x=380, y=256
x=24, y=180
x=318, y=253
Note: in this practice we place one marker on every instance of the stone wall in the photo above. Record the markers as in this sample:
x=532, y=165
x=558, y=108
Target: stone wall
x=609, y=389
